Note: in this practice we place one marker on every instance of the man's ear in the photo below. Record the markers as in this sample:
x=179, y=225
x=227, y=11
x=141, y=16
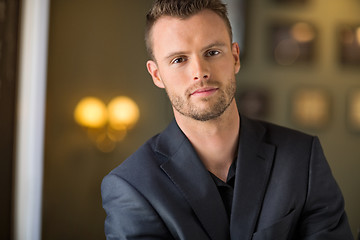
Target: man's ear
x=236, y=53
x=154, y=72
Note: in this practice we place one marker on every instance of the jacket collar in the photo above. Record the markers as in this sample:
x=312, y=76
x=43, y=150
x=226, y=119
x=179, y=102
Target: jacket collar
x=188, y=173
x=255, y=158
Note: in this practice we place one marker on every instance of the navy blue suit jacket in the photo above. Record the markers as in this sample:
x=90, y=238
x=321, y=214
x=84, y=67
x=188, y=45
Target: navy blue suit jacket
x=283, y=189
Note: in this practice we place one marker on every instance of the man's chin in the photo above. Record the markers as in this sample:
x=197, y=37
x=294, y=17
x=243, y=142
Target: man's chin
x=205, y=115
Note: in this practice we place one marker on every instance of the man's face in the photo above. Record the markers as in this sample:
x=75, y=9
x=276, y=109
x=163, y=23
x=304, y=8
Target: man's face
x=195, y=63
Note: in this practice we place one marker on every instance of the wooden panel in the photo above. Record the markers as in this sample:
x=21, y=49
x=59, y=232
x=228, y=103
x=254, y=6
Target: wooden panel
x=9, y=16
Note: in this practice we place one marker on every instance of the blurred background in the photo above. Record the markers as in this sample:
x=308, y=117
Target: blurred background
x=300, y=69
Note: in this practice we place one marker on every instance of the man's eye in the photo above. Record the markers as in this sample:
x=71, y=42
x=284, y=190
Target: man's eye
x=178, y=60
x=212, y=53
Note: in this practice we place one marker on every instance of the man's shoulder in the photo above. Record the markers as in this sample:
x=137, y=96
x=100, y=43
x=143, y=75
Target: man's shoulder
x=143, y=158
x=280, y=130
x=278, y=134
x=145, y=162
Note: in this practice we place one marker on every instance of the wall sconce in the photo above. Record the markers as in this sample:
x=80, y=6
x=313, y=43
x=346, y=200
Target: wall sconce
x=106, y=125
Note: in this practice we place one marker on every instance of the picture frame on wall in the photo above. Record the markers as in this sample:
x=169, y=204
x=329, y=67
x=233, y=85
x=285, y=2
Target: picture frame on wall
x=310, y=108
x=291, y=1
x=349, y=44
x=353, y=110
x=254, y=102
x=292, y=42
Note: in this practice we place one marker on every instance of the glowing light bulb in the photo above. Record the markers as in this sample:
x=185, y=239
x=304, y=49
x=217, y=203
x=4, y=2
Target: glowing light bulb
x=91, y=112
x=123, y=112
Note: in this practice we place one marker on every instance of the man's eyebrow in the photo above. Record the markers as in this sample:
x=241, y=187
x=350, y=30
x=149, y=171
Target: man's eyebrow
x=215, y=44
x=180, y=53
x=172, y=54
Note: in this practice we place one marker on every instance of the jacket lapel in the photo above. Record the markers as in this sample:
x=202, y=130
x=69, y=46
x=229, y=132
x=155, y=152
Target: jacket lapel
x=190, y=176
x=254, y=164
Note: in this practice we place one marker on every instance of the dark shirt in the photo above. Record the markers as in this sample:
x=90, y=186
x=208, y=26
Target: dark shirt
x=226, y=189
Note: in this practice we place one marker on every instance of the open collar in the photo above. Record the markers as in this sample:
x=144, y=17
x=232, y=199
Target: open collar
x=189, y=175
x=255, y=159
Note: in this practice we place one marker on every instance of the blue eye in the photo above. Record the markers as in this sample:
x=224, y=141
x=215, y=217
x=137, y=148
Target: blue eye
x=178, y=60
x=212, y=53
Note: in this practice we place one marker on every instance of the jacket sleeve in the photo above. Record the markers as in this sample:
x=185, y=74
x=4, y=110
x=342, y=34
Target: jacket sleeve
x=323, y=216
x=129, y=214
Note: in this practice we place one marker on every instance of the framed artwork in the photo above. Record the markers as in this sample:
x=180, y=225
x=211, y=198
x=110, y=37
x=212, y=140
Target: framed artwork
x=349, y=44
x=292, y=42
x=254, y=103
x=291, y=1
x=310, y=108
x=353, y=110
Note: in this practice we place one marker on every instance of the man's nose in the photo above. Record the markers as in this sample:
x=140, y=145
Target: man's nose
x=200, y=69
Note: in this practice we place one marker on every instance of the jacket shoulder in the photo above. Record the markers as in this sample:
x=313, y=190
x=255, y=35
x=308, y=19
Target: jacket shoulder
x=144, y=157
x=288, y=142
x=279, y=134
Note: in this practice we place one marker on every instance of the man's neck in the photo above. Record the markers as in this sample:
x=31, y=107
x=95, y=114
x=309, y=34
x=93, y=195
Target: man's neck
x=215, y=141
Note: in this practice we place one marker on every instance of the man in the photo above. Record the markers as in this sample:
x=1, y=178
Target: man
x=213, y=174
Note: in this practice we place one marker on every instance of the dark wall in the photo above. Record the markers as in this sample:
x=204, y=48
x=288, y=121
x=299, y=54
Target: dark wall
x=9, y=16
x=96, y=48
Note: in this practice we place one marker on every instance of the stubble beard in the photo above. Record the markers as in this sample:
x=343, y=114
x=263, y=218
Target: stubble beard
x=187, y=108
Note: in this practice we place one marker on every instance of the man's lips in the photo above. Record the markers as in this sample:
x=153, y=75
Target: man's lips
x=204, y=91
